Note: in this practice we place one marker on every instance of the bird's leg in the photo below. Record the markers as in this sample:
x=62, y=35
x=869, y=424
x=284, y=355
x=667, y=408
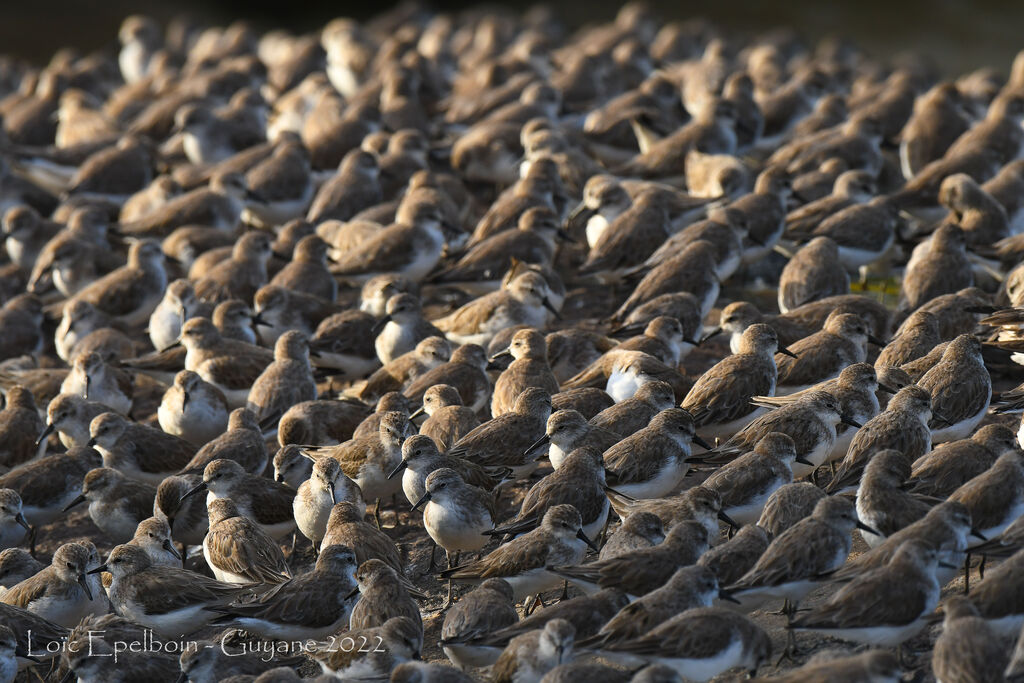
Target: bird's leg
x=433, y=565
x=967, y=573
x=184, y=554
x=790, y=609
x=565, y=591
x=981, y=567
x=448, y=601
x=376, y=514
x=32, y=544
x=784, y=610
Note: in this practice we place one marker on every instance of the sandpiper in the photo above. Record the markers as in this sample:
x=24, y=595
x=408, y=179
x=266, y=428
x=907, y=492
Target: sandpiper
x=421, y=457
x=369, y=460
x=266, y=502
x=814, y=272
x=638, y=530
x=529, y=656
x=524, y=301
x=652, y=462
x=382, y=596
x=315, y=498
x=995, y=498
x=699, y=644
x=506, y=441
x=954, y=463
x=841, y=342
x=447, y=419
x=231, y=366
x=399, y=374
x=138, y=451
x=286, y=381
x=486, y=609
x=464, y=371
x=400, y=640
x=401, y=328
x=92, y=378
x=687, y=588
x=154, y=536
x=881, y=501
x=720, y=398
x=238, y=550
x=20, y=426
x=59, y=593
x=902, y=426
x=810, y=421
x=346, y=527
x=746, y=483
x=116, y=503
x=529, y=368
x=311, y=605
x=961, y=390
x=633, y=414
x=241, y=442
x=567, y=430
x=524, y=561
x=193, y=409
x=796, y=560
x=968, y=649
x=130, y=293
x=875, y=608
x=635, y=573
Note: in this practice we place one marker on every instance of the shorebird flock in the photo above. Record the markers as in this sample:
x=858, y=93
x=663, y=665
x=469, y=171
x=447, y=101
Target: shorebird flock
x=680, y=345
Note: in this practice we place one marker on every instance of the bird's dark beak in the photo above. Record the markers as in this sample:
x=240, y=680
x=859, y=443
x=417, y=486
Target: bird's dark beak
x=978, y=535
x=847, y=420
x=259, y=321
x=701, y=442
x=20, y=519
x=499, y=354
x=941, y=419
x=352, y=593
x=864, y=527
x=538, y=443
x=91, y=442
x=947, y=565
x=169, y=547
x=88, y=385
x=564, y=236
x=79, y=499
x=582, y=212
x=786, y=352
x=198, y=488
x=887, y=389
x=416, y=413
x=756, y=240
x=47, y=430
x=548, y=305
x=85, y=586
x=175, y=345
x=710, y=335
x=727, y=519
x=401, y=466
x=99, y=569
x=379, y=325
x=803, y=461
x=583, y=537
x=726, y=595
x=422, y=501
x=184, y=400
x=330, y=487
x=872, y=339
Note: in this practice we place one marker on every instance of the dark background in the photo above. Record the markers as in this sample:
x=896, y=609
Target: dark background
x=957, y=35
